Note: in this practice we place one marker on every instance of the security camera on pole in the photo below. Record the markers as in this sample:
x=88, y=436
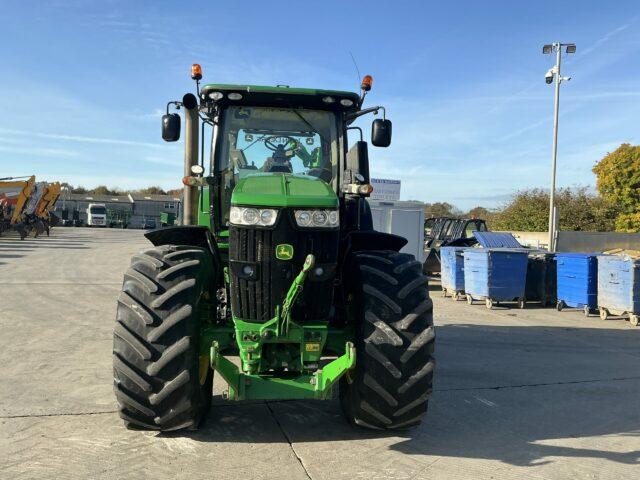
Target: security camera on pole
x=554, y=73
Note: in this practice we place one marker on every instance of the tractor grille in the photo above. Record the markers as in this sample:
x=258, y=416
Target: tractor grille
x=255, y=295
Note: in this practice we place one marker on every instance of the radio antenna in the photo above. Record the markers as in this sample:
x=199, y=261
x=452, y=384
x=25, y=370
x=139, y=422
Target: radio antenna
x=357, y=69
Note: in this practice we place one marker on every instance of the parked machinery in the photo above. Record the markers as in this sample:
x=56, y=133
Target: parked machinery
x=46, y=204
x=30, y=222
x=167, y=219
x=37, y=211
x=446, y=231
x=15, y=192
x=276, y=263
x=96, y=215
x=118, y=218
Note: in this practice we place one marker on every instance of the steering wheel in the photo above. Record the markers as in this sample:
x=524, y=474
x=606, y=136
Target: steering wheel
x=278, y=143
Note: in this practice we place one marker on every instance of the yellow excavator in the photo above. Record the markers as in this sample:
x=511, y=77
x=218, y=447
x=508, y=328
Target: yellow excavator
x=14, y=195
x=44, y=218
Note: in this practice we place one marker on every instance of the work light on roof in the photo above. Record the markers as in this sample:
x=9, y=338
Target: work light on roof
x=234, y=96
x=196, y=71
x=328, y=100
x=216, y=96
x=345, y=102
x=367, y=83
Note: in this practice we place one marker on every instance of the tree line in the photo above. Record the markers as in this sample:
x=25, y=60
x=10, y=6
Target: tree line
x=114, y=191
x=614, y=206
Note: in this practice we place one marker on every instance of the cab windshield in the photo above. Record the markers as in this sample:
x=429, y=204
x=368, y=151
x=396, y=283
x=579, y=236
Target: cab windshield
x=98, y=210
x=275, y=140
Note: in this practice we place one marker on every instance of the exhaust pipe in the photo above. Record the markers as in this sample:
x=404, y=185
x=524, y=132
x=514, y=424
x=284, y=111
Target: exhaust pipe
x=191, y=140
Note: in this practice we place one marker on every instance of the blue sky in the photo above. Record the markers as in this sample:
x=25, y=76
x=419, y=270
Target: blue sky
x=83, y=84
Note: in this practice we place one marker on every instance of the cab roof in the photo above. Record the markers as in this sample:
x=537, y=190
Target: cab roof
x=281, y=95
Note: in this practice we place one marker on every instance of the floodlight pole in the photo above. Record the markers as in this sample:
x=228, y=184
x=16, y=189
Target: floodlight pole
x=554, y=150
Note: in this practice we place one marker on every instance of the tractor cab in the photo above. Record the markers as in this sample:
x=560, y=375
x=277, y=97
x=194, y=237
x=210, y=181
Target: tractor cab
x=276, y=140
x=279, y=130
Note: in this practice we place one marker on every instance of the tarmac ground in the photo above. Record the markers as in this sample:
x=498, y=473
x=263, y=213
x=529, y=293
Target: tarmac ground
x=531, y=393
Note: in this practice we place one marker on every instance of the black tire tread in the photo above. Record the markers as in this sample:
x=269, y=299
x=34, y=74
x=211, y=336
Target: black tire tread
x=155, y=350
x=132, y=304
x=393, y=378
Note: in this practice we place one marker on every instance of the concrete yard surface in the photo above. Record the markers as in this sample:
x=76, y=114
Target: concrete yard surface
x=522, y=394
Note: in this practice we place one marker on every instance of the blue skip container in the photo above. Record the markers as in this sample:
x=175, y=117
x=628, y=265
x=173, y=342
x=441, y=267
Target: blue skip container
x=619, y=286
x=452, y=271
x=577, y=281
x=495, y=275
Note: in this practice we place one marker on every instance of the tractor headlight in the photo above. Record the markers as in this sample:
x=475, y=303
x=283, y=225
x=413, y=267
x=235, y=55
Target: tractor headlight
x=263, y=217
x=303, y=218
x=317, y=218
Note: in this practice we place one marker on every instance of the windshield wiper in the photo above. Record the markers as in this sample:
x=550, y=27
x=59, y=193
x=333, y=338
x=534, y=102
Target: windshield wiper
x=253, y=143
x=322, y=139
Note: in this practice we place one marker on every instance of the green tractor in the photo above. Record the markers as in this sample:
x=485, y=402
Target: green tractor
x=277, y=264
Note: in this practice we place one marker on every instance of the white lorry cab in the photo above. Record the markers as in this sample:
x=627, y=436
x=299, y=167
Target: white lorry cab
x=96, y=215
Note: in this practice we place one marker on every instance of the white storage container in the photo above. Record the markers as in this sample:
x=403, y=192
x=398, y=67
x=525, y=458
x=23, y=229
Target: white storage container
x=402, y=218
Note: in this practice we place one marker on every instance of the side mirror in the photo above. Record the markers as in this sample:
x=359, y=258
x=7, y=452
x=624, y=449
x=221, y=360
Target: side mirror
x=171, y=127
x=381, y=132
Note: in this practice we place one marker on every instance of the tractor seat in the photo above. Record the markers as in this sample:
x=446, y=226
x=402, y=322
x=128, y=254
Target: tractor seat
x=271, y=166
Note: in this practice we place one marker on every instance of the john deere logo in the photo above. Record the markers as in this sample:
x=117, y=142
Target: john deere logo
x=284, y=251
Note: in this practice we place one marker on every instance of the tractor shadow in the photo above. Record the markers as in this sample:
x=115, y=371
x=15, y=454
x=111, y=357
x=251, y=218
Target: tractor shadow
x=522, y=395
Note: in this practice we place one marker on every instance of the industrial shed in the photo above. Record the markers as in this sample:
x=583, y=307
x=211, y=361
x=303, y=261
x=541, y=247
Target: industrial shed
x=72, y=206
x=136, y=208
x=147, y=207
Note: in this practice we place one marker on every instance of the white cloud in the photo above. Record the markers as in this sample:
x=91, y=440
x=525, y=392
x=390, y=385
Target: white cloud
x=605, y=38
x=80, y=138
x=36, y=151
